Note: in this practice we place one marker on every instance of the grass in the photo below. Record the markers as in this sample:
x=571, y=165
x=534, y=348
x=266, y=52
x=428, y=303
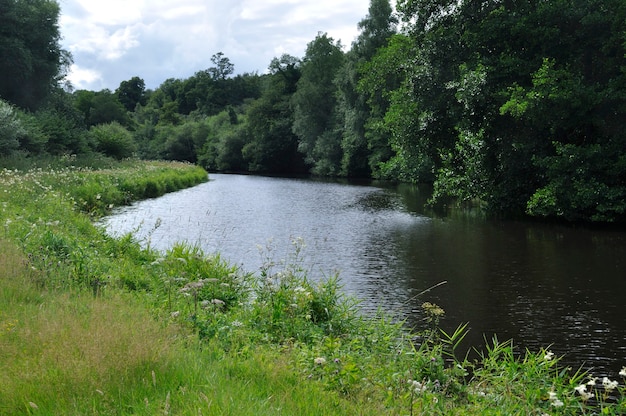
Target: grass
x=73, y=354
x=91, y=324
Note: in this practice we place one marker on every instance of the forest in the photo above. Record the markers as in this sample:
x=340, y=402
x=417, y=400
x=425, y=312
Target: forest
x=518, y=106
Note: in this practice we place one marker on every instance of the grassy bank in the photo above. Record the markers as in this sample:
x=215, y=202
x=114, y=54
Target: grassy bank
x=91, y=324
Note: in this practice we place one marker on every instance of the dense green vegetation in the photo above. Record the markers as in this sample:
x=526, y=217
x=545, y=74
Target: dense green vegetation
x=517, y=104
x=91, y=324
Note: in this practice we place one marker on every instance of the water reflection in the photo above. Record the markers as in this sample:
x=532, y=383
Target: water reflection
x=537, y=284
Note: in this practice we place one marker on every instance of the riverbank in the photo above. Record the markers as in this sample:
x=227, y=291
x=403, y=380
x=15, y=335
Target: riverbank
x=91, y=324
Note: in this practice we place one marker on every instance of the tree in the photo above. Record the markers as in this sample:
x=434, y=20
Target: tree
x=100, y=107
x=223, y=67
x=362, y=156
x=272, y=146
x=62, y=124
x=131, y=92
x=314, y=101
x=31, y=59
x=519, y=104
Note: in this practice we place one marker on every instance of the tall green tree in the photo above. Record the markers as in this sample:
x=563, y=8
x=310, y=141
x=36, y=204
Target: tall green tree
x=101, y=107
x=315, y=121
x=131, y=92
x=31, y=59
x=362, y=155
x=272, y=146
x=515, y=103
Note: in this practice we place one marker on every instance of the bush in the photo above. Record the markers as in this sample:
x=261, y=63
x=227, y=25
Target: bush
x=10, y=129
x=113, y=140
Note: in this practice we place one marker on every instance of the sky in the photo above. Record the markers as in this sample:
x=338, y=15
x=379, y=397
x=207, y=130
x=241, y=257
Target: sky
x=114, y=40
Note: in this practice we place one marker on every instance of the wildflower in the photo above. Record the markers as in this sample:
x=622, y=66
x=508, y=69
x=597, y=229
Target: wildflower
x=175, y=314
x=582, y=391
x=320, y=360
x=608, y=384
x=549, y=356
x=623, y=372
x=557, y=403
x=237, y=324
x=218, y=302
x=192, y=286
x=592, y=381
x=554, y=399
x=418, y=386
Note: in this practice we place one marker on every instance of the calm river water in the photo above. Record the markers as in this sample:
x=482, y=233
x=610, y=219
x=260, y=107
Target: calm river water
x=540, y=285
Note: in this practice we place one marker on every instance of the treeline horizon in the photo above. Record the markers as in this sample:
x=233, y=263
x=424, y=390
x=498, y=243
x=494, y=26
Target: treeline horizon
x=520, y=105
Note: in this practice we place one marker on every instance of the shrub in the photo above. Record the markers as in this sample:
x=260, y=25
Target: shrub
x=113, y=140
x=10, y=129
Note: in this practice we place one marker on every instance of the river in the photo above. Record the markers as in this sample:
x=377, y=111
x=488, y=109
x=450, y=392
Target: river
x=541, y=285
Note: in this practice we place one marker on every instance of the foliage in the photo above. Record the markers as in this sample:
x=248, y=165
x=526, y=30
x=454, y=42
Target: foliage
x=484, y=91
x=362, y=153
x=584, y=182
x=271, y=144
x=32, y=61
x=100, y=107
x=10, y=129
x=62, y=125
x=484, y=100
x=113, y=140
x=224, y=142
x=314, y=103
x=131, y=92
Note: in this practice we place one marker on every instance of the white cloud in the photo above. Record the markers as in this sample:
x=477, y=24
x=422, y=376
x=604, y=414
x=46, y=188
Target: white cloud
x=161, y=39
x=79, y=76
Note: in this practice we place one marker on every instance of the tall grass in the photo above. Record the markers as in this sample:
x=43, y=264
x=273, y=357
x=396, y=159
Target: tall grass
x=91, y=324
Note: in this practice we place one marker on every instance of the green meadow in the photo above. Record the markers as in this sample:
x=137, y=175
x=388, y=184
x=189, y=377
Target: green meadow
x=96, y=325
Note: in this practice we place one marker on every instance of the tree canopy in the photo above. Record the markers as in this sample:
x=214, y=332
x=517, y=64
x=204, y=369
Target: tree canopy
x=32, y=61
x=517, y=104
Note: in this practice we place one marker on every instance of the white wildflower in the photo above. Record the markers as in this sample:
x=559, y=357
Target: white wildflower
x=549, y=356
x=623, y=372
x=608, y=384
x=320, y=360
x=554, y=400
x=557, y=403
x=582, y=391
x=419, y=387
